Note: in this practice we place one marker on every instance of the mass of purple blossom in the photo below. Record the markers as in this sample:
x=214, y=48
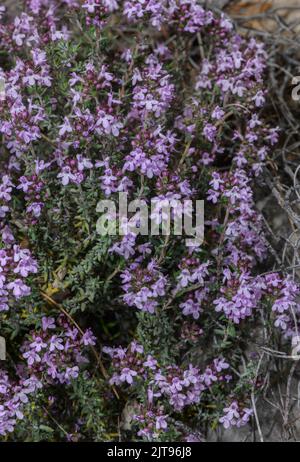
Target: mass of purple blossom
x=160, y=99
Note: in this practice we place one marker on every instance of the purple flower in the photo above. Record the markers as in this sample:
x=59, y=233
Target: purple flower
x=56, y=343
x=18, y=288
x=127, y=375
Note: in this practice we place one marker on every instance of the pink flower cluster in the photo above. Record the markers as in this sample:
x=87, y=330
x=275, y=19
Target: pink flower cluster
x=56, y=352
x=235, y=416
x=143, y=286
x=181, y=387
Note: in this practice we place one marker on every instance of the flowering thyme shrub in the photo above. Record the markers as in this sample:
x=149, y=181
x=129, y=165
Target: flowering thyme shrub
x=160, y=99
